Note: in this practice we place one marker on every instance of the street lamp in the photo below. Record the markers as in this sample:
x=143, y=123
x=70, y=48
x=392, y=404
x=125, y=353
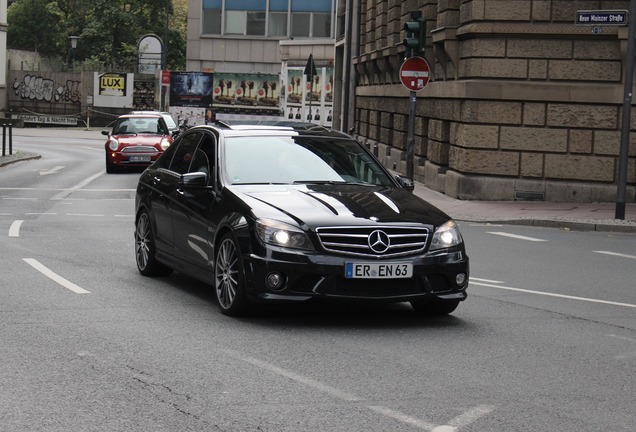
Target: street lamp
x=73, y=40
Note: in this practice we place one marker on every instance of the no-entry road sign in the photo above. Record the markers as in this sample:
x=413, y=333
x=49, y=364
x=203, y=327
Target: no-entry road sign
x=414, y=73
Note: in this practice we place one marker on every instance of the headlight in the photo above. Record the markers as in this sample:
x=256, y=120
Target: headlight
x=165, y=144
x=446, y=236
x=113, y=144
x=282, y=234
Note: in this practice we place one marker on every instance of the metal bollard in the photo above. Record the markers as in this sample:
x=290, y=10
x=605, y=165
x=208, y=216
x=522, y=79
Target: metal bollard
x=4, y=138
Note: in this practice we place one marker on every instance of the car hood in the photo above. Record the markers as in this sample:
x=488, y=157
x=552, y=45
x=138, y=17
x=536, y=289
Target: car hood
x=324, y=205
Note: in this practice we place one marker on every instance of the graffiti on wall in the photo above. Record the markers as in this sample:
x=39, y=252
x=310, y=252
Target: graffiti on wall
x=37, y=88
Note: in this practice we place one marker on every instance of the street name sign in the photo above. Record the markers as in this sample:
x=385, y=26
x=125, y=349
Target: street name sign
x=602, y=17
x=414, y=73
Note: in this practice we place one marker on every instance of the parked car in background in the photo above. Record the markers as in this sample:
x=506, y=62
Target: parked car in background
x=294, y=214
x=172, y=124
x=136, y=140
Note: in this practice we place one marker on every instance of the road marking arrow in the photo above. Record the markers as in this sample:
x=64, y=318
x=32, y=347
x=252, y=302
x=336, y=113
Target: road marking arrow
x=52, y=170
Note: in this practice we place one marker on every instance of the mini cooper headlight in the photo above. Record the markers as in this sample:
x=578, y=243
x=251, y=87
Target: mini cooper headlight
x=165, y=143
x=113, y=144
x=282, y=234
x=446, y=236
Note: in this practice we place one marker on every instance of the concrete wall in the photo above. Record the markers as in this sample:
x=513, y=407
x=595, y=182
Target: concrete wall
x=523, y=104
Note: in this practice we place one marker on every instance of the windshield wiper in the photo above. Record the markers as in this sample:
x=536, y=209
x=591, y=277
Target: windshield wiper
x=334, y=182
x=320, y=182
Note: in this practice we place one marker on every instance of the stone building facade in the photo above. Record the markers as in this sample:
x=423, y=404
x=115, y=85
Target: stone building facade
x=522, y=103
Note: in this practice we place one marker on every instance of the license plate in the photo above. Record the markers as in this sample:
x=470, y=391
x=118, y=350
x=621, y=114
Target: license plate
x=139, y=159
x=378, y=270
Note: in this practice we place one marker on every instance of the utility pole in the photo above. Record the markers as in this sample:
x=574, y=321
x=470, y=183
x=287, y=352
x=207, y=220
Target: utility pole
x=414, y=74
x=627, y=110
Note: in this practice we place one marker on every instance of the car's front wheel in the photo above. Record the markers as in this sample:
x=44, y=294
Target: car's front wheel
x=110, y=167
x=435, y=307
x=230, y=278
x=145, y=250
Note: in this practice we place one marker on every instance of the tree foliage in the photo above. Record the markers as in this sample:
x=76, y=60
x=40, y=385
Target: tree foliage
x=108, y=31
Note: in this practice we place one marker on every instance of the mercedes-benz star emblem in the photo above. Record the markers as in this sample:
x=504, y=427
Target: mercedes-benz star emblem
x=379, y=241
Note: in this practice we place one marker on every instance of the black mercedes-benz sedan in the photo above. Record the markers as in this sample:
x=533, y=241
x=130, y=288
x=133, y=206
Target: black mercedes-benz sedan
x=294, y=213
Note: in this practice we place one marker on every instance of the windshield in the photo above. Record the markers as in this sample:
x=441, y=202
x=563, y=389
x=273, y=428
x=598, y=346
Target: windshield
x=289, y=160
x=139, y=125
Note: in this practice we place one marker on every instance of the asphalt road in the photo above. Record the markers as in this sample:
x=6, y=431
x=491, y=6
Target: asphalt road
x=546, y=340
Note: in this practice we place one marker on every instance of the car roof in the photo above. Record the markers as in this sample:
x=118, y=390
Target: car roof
x=145, y=115
x=256, y=128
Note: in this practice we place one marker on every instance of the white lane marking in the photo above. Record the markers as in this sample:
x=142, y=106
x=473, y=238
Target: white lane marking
x=485, y=280
x=470, y=416
x=294, y=377
x=616, y=254
x=14, y=229
x=80, y=185
x=547, y=294
x=625, y=356
x=54, y=276
x=20, y=198
x=515, y=236
x=463, y=419
x=64, y=189
x=91, y=148
x=84, y=214
x=403, y=418
x=623, y=338
x=40, y=214
x=52, y=170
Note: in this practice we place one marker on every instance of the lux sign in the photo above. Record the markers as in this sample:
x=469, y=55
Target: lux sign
x=112, y=84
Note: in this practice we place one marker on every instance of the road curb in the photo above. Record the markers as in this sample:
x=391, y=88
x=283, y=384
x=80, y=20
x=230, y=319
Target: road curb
x=574, y=225
x=17, y=157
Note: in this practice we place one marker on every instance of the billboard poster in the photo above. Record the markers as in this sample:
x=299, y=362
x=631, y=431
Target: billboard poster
x=112, y=84
x=243, y=95
x=309, y=101
x=114, y=90
x=191, y=89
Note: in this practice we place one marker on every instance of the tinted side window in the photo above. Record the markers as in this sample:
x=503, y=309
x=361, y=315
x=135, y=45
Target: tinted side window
x=204, y=158
x=187, y=145
x=165, y=159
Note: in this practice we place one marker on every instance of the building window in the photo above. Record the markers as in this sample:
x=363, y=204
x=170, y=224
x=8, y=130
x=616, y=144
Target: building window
x=321, y=25
x=300, y=26
x=297, y=18
x=256, y=23
x=211, y=17
x=235, y=23
x=278, y=16
x=277, y=24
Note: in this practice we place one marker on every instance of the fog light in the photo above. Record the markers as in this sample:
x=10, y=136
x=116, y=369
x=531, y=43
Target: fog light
x=275, y=281
x=460, y=279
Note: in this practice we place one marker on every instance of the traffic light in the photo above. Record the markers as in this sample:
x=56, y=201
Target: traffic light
x=415, y=41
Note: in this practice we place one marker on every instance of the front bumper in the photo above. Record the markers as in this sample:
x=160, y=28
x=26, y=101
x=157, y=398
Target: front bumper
x=322, y=277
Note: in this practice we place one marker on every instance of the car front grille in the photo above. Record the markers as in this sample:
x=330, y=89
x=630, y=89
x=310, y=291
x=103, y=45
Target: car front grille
x=374, y=241
x=359, y=288
x=374, y=288
x=140, y=149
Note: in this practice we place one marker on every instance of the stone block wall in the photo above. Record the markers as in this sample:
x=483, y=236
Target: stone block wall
x=522, y=103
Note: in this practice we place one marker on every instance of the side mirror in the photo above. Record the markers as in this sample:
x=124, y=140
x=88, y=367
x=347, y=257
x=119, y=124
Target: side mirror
x=405, y=183
x=197, y=179
x=106, y=132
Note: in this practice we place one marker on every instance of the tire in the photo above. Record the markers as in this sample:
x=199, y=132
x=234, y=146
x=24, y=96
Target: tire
x=435, y=307
x=229, y=278
x=110, y=167
x=145, y=250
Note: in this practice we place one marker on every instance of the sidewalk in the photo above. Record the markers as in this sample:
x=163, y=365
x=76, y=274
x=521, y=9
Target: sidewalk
x=576, y=216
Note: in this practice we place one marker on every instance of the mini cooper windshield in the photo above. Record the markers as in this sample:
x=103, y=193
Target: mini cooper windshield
x=300, y=160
